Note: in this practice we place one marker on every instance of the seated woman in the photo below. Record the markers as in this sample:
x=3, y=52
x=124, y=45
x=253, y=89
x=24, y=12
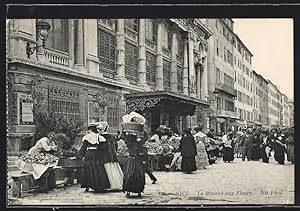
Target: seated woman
x=39, y=157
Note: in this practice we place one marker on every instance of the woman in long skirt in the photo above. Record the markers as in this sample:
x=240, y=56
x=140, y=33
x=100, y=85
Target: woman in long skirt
x=188, y=151
x=290, y=147
x=256, y=149
x=111, y=164
x=228, y=154
x=134, y=174
x=279, y=150
x=201, y=157
x=92, y=151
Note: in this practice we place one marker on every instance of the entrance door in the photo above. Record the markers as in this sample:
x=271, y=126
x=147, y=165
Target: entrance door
x=155, y=119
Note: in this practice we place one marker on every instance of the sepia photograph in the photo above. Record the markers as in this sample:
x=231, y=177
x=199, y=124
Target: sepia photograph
x=150, y=111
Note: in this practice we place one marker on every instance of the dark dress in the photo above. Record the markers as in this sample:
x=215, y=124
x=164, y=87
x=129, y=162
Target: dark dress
x=265, y=144
x=290, y=148
x=93, y=174
x=188, y=151
x=256, y=149
x=228, y=150
x=134, y=174
x=279, y=150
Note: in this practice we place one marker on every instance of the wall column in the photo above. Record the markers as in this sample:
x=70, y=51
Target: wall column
x=174, y=79
x=204, y=77
x=198, y=83
x=185, y=69
x=159, y=59
x=79, y=46
x=192, y=76
x=92, y=60
x=142, y=56
x=120, y=49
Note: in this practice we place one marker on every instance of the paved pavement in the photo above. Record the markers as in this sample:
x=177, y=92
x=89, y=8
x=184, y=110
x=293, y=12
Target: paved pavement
x=249, y=182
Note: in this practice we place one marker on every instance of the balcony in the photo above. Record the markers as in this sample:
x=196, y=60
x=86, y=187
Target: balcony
x=58, y=58
x=227, y=89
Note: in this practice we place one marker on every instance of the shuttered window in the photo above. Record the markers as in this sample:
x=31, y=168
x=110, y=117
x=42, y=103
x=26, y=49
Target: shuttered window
x=166, y=74
x=107, y=53
x=180, y=79
x=150, y=68
x=131, y=62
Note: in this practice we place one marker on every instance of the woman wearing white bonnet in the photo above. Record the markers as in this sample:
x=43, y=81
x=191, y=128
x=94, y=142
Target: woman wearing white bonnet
x=94, y=175
x=111, y=164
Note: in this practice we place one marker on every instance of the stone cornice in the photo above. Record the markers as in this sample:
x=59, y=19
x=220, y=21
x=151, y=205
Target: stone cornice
x=72, y=72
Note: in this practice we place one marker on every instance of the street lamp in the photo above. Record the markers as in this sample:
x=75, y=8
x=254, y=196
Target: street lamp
x=43, y=28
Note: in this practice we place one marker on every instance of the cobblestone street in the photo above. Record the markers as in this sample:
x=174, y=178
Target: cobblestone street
x=249, y=182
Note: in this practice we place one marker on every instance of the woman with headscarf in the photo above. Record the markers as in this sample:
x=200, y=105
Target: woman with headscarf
x=92, y=151
x=227, y=140
x=188, y=151
x=111, y=164
x=201, y=158
x=290, y=146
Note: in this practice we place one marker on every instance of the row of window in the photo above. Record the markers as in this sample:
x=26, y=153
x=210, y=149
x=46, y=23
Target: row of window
x=223, y=104
x=224, y=78
x=243, y=98
x=245, y=115
x=231, y=38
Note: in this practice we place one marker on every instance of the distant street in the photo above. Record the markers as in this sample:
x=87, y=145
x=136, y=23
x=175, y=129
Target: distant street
x=249, y=182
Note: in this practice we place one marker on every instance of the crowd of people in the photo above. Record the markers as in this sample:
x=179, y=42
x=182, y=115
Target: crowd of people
x=121, y=162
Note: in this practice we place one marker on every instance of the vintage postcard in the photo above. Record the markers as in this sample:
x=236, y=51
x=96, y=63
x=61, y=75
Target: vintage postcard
x=148, y=111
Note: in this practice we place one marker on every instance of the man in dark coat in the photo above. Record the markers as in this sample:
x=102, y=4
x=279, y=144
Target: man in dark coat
x=188, y=151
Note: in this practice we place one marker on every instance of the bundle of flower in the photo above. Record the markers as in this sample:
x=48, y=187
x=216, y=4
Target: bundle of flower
x=153, y=147
x=40, y=158
x=174, y=142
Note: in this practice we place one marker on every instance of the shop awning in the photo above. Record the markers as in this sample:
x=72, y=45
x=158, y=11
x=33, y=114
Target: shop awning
x=139, y=101
x=220, y=120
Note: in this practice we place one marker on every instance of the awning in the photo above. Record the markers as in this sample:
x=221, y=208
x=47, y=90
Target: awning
x=183, y=104
x=241, y=122
x=220, y=120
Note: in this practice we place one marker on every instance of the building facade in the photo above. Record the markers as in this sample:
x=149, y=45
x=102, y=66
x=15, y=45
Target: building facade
x=291, y=113
x=260, y=100
x=285, y=111
x=221, y=74
x=274, y=104
x=102, y=69
x=244, y=84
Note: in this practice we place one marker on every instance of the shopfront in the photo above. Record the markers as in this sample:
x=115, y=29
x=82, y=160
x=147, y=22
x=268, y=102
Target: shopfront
x=164, y=108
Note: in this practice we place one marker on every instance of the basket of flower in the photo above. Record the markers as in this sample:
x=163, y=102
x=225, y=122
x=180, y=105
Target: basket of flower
x=132, y=127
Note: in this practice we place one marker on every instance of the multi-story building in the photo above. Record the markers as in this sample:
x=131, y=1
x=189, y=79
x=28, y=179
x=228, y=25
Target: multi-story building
x=243, y=83
x=291, y=113
x=274, y=104
x=285, y=111
x=221, y=73
x=260, y=100
x=102, y=69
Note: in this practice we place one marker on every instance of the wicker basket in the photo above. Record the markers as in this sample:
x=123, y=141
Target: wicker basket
x=132, y=127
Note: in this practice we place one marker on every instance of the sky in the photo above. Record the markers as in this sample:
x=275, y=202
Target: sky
x=271, y=43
